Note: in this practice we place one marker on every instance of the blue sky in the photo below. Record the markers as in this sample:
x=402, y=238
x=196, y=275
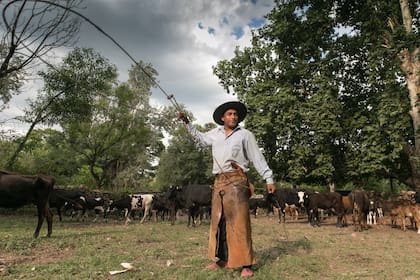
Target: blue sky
x=237, y=31
x=182, y=39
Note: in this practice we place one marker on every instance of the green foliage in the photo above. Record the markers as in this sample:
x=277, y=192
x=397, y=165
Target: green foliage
x=82, y=176
x=46, y=152
x=109, y=135
x=7, y=145
x=70, y=89
x=111, y=139
x=68, y=94
x=183, y=162
x=326, y=99
x=118, y=141
x=10, y=83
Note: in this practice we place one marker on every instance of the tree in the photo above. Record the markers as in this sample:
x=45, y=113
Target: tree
x=31, y=30
x=326, y=99
x=117, y=141
x=47, y=152
x=408, y=49
x=183, y=162
x=69, y=92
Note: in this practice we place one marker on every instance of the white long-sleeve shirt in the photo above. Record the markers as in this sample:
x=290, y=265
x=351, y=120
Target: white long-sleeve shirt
x=240, y=147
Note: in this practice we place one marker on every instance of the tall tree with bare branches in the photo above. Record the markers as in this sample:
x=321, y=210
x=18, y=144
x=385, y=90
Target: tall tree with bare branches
x=30, y=30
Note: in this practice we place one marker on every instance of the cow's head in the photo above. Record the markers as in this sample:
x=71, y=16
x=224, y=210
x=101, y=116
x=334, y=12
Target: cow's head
x=111, y=207
x=301, y=196
x=172, y=191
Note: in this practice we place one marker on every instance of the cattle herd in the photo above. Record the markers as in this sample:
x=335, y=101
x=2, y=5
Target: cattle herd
x=365, y=207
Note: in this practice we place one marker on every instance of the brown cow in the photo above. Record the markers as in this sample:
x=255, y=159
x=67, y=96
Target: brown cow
x=347, y=208
x=329, y=200
x=359, y=201
x=403, y=211
x=17, y=190
x=292, y=210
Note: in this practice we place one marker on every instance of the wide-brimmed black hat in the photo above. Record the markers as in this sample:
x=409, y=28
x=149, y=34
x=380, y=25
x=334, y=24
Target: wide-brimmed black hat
x=220, y=111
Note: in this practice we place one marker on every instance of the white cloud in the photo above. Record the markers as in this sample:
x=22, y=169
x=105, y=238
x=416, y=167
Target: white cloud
x=166, y=33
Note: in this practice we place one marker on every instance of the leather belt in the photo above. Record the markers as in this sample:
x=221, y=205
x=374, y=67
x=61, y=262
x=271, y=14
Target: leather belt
x=227, y=174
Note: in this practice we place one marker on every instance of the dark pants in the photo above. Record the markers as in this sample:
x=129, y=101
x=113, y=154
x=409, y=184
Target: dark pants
x=222, y=249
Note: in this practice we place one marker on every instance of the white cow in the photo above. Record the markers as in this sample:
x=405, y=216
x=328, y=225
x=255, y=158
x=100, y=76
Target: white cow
x=128, y=204
x=147, y=200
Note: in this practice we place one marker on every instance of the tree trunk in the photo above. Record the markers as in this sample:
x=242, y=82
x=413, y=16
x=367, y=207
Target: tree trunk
x=410, y=64
x=391, y=185
x=38, y=119
x=12, y=160
x=331, y=187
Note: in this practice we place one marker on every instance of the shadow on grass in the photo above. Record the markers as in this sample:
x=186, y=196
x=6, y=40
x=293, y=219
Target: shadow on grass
x=283, y=248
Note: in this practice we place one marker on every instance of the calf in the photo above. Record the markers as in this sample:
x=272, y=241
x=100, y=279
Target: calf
x=17, y=190
x=283, y=197
x=65, y=197
x=326, y=201
x=292, y=210
x=92, y=203
x=191, y=197
x=403, y=211
x=196, y=198
x=173, y=196
x=371, y=216
x=126, y=204
x=256, y=202
x=161, y=206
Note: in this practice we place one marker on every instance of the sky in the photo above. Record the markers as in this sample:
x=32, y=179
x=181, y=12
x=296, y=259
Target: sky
x=182, y=39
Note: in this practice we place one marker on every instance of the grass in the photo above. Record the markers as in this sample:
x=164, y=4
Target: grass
x=293, y=250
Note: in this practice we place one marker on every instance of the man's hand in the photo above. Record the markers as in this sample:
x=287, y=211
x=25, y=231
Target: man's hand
x=183, y=117
x=271, y=188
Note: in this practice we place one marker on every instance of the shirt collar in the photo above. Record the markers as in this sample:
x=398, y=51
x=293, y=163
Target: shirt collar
x=222, y=129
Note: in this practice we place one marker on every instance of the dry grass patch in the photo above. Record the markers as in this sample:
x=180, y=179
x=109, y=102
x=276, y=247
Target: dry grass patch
x=293, y=250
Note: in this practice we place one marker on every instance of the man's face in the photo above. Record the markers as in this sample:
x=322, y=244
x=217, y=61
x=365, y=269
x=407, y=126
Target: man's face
x=230, y=118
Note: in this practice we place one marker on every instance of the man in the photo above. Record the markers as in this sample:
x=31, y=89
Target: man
x=233, y=147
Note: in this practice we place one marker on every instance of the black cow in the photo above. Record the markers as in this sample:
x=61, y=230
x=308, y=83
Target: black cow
x=84, y=203
x=326, y=201
x=258, y=202
x=17, y=190
x=127, y=204
x=304, y=195
x=66, y=197
x=96, y=204
x=360, y=204
x=161, y=206
x=173, y=196
x=191, y=197
x=417, y=196
x=282, y=197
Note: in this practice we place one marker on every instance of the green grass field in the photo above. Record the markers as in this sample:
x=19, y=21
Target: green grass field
x=157, y=250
